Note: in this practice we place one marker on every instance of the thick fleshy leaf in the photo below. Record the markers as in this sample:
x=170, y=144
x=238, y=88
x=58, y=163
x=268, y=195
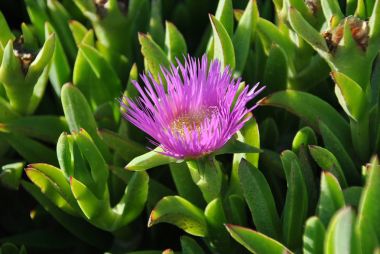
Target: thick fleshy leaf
x=175, y=44
x=216, y=218
x=103, y=71
x=340, y=235
x=60, y=70
x=46, y=128
x=207, y=175
x=256, y=242
x=98, y=166
x=306, y=31
x=156, y=29
x=224, y=13
x=78, y=115
x=312, y=110
x=10, y=175
x=236, y=146
x=154, y=56
x=50, y=189
x=327, y=161
x=149, y=160
x=78, y=31
x=185, y=185
x=123, y=146
x=223, y=47
x=38, y=15
x=60, y=19
x=133, y=201
x=5, y=32
x=29, y=149
x=77, y=227
x=260, y=200
x=190, y=246
x=296, y=203
x=242, y=37
x=304, y=137
x=180, y=212
x=331, y=198
x=314, y=236
x=97, y=211
x=350, y=95
x=271, y=34
x=276, y=70
x=331, y=8
x=352, y=195
x=369, y=211
x=334, y=145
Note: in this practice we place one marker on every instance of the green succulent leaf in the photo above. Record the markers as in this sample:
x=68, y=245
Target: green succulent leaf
x=74, y=225
x=37, y=11
x=369, y=212
x=78, y=31
x=190, y=246
x=314, y=236
x=304, y=137
x=149, y=160
x=135, y=196
x=5, y=32
x=45, y=128
x=331, y=8
x=327, y=161
x=312, y=110
x=95, y=160
x=242, y=38
x=78, y=115
x=10, y=175
x=216, y=218
x=60, y=19
x=335, y=146
x=156, y=28
x=340, y=235
x=236, y=146
x=296, y=203
x=260, y=200
x=184, y=183
x=352, y=195
x=29, y=149
x=276, y=70
x=154, y=56
x=351, y=96
x=180, y=212
x=331, y=198
x=55, y=192
x=223, y=47
x=175, y=44
x=60, y=70
x=256, y=242
x=306, y=31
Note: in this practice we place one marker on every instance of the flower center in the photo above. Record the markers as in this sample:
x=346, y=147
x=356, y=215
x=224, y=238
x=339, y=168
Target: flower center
x=193, y=120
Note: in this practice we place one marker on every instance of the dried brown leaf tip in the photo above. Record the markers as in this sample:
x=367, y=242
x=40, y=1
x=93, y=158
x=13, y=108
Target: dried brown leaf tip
x=359, y=30
x=25, y=55
x=313, y=6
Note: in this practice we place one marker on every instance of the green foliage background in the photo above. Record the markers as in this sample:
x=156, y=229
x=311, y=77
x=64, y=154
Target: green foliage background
x=74, y=175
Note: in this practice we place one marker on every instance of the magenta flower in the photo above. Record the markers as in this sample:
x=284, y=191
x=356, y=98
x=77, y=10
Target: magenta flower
x=197, y=114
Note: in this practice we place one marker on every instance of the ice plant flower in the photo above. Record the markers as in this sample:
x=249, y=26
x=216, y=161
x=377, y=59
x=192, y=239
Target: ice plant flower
x=194, y=111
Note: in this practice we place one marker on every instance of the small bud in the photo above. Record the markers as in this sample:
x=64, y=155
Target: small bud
x=25, y=55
